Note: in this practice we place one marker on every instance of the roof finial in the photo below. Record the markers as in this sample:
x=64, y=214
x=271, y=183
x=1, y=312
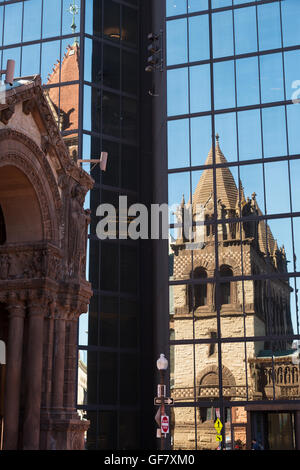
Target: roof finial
x=217, y=137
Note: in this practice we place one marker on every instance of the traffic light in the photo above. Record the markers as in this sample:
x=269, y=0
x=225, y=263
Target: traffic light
x=155, y=53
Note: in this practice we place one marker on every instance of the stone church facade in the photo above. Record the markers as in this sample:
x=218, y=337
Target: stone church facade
x=43, y=287
x=247, y=308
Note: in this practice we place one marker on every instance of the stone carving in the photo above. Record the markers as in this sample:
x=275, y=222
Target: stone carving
x=7, y=113
x=79, y=221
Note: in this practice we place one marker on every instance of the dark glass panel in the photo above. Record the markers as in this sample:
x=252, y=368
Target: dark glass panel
x=108, y=430
x=129, y=378
x=108, y=384
x=129, y=119
x=111, y=66
x=130, y=73
x=111, y=25
x=128, y=269
x=93, y=321
x=129, y=168
x=109, y=321
x=109, y=266
x=129, y=26
x=111, y=114
x=128, y=324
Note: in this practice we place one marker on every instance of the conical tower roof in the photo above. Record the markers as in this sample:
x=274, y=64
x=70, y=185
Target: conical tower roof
x=226, y=188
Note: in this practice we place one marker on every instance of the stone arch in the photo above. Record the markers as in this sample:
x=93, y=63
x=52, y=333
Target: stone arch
x=27, y=158
x=210, y=377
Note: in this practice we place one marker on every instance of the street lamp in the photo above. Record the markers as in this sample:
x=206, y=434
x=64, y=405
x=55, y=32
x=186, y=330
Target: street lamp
x=162, y=365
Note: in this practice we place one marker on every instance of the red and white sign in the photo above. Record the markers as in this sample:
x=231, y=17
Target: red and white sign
x=165, y=424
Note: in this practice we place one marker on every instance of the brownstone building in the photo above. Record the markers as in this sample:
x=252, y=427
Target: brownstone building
x=43, y=290
x=253, y=308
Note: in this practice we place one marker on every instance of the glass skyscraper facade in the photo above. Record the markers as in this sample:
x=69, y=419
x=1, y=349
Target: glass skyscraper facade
x=232, y=113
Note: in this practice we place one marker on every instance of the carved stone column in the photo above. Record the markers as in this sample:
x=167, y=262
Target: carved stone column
x=71, y=357
x=58, y=360
x=13, y=375
x=34, y=365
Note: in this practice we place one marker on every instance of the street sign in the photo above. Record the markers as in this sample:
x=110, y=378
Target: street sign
x=167, y=401
x=219, y=438
x=218, y=426
x=165, y=424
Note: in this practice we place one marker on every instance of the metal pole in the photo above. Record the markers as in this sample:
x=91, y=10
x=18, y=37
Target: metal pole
x=162, y=382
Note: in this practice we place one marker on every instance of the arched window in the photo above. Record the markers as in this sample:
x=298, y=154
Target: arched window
x=200, y=290
x=2, y=228
x=225, y=288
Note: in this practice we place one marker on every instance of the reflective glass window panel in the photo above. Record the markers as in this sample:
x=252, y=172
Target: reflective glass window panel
x=69, y=104
x=176, y=41
x=271, y=78
x=93, y=17
x=224, y=85
x=222, y=34
x=198, y=38
x=282, y=252
x=178, y=143
x=200, y=139
x=129, y=25
x=175, y=7
x=292, y=74
x=200, y=95
x=92, y=61
x=221, y=3
x=13, y=23
x=70, y=17
x=177, y=91
x=225, y=125
x=197, y=5
x=1, y=24
x=277, y=187
x=290, y=22
x=295, y=190
x=252, y=181
x=51, y=18
x=30, y=60
x=50, y=56
x=274, y=131
x=32, y=20
x=87, y=122
x=184, y=417
x=179, y=187
x=269, y=26
x=247, y=81
x=245, y=30
x=293, y=118
x=249, y=130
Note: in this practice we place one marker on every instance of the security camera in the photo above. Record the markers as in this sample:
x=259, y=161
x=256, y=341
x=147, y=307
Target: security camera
x=9, y=72
x=149, y=68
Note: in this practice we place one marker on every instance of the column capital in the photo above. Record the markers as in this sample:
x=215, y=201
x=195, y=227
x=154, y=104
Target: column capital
x=36, y=308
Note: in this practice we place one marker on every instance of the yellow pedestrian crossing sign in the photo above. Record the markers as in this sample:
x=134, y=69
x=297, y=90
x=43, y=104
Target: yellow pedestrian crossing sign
x=218, y=426
x=219, y=438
